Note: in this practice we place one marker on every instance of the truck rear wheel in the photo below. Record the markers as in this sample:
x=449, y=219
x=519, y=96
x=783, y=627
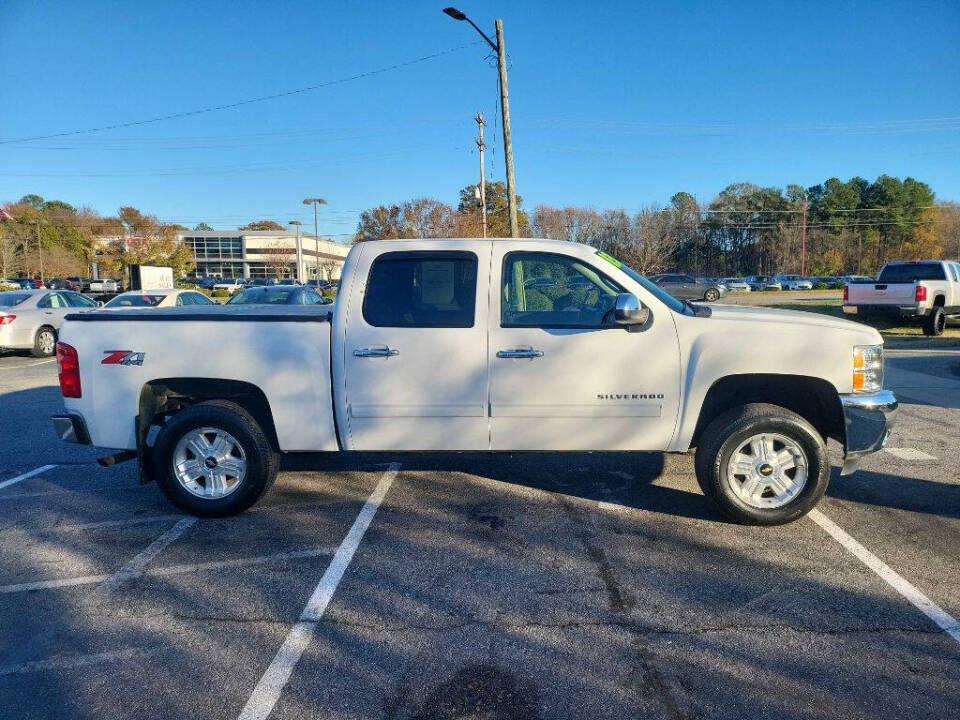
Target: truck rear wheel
x=762, y=464
x=213, y=459
x=935, y=322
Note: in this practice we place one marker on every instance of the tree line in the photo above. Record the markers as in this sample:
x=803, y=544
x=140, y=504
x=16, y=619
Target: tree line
x=52, y=238
x=852, y=227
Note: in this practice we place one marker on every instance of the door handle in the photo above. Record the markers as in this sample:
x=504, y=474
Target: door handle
x=520, y=353
x=375, y=352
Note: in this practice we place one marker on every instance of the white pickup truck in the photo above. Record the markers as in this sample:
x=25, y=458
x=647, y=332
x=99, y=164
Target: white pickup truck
x=926, y=289
x=440, y=345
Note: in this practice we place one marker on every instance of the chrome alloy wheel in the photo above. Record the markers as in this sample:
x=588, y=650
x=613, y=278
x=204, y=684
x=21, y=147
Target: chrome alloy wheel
x=46, y=341
x=209, y=463
x=767, y=470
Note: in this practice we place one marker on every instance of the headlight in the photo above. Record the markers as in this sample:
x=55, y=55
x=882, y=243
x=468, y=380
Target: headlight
x=867, y=368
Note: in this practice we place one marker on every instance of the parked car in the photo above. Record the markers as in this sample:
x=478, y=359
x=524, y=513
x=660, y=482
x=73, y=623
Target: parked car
x=737, y=285
x=231, y=285
x=206, y=283
x=263, y=282
x=763, y=282
x=928, y=290
x=436, y=346
x=105, y=285
x=793, y=282
x=278, y=295
x=687, y=287
x=158, y=299
x=30, y=319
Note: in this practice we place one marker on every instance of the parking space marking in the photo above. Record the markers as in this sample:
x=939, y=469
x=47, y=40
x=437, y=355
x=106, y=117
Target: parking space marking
x=32, y=473
x=136, y=566
x=909, y=453
x=265, y=695
x=937, y=614
x=170, y=570
x=68, y=663
x=26, y=365
x=116, y=523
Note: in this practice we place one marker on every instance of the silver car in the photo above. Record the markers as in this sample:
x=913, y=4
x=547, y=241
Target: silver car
x=30, y=319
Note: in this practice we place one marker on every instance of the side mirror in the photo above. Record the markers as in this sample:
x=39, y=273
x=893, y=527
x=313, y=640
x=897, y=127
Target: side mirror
x=629, y=311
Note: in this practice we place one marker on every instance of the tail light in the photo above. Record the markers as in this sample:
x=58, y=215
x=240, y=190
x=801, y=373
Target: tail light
x=846, y=293
x=7, y=319
x=68, y=368
x=921, y=293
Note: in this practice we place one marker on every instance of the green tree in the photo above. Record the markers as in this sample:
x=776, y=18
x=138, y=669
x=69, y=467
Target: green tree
x=202, y=227
x=498, y=213
x=263, y=225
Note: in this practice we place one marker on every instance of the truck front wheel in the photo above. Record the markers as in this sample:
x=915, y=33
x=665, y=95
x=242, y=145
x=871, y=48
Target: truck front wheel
x=213, y=459
x=762, y=464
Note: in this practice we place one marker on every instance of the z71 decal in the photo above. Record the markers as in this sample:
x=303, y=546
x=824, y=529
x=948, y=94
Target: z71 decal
x=122, y=357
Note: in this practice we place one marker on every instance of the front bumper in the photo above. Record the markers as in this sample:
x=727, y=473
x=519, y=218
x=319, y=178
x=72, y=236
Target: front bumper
x=867, y=422
x=71, y=428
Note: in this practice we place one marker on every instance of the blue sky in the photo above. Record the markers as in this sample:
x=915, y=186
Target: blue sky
x=614, y=104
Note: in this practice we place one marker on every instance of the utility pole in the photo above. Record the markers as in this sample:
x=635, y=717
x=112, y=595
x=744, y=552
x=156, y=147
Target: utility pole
x=481, y=146
x=507, y=139
x=39, y=250
x=803, y=239
x=501, y=51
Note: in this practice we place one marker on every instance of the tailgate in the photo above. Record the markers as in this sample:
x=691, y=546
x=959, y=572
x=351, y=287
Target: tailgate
x=881, y=293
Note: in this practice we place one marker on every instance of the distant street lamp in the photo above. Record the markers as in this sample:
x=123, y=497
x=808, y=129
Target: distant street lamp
x=316, y=240
x=500, y=50
x=299, y=250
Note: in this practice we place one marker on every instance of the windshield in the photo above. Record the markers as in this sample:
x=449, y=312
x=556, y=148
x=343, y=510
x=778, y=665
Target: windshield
x=9, y=299
x=911, y=272
x=263, y=296
x=136, y=301
x=662, y=295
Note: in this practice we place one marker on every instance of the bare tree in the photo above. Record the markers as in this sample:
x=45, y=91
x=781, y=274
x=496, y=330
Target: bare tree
x=279, y=259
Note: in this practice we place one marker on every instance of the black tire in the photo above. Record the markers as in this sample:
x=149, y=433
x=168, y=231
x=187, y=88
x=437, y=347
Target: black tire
x=262, y=461
x=935, y=322
x=44, y=342
x=723, y=436
x=711, y=295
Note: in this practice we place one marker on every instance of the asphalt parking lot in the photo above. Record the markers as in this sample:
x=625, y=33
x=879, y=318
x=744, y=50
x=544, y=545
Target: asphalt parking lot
x=474, y=586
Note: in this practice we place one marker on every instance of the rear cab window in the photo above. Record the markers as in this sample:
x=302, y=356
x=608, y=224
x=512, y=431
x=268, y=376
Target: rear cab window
x=430, y=289
x=911, y=272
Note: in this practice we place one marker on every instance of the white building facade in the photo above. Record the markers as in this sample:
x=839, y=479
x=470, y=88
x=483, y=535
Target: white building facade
x=262, y=254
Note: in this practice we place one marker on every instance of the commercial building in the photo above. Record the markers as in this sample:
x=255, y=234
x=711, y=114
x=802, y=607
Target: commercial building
x=262, y=254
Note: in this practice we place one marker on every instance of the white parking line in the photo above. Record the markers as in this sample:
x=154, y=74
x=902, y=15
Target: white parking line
x=114, y=523
x=136, y=566
x=67, y=663
x=268, y=690
x=924, y=604
x=26, y=365
x=18, y=478
x=170, y=570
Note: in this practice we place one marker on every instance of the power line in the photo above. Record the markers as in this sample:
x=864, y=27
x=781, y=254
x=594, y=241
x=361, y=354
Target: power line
x=250, y=101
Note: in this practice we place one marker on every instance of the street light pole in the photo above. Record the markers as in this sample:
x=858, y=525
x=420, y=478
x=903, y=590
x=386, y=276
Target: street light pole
x=316, y=238
x=481, y=146
x=500, y=49
x=299, y=250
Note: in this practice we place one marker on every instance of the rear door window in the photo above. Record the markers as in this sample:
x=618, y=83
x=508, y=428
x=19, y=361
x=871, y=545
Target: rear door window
x=422, y=289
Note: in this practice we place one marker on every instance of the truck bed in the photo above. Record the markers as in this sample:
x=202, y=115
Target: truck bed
x=284, y=351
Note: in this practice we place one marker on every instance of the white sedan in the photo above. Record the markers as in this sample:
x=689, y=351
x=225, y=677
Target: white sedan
x=736, y=284
x=231, y=285
x=157, y=298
